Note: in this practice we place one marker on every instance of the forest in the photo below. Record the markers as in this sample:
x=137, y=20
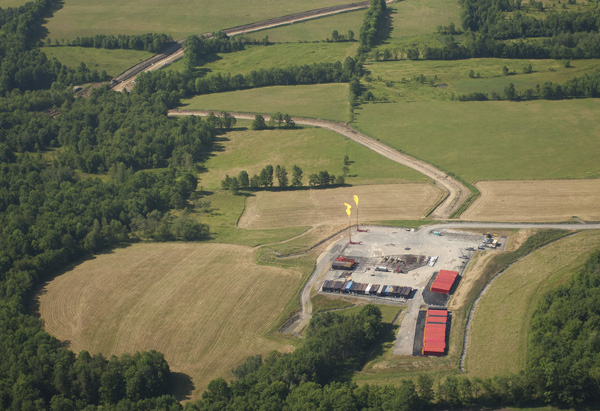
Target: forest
x=82, y=175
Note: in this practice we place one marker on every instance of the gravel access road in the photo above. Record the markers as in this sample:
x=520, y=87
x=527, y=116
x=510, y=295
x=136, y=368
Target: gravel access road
x=457, y=193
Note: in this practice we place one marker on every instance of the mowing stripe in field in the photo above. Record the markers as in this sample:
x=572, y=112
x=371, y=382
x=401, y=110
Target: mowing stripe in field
x=205, y=306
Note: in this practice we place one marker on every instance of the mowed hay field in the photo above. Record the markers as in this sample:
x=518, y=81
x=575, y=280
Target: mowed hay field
x=409, y=201
x=536, y=201
x=494, y=140
x=178, y=18
x=498, y=335
x=205, y=306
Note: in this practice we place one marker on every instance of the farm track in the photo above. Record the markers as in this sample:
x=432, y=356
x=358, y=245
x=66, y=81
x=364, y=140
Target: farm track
x=457, y=193
x=174, y=52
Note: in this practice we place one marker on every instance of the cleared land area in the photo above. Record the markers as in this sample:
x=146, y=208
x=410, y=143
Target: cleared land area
x=326, y=206
x=275, y=55
x=493, y=140
x=314, y=30
x=397, y=80
x=498, y=336
x=327, y=101
x=114, y=62
x=205, y=306
x=536, y=201
x=178, y=18
x=312, y=149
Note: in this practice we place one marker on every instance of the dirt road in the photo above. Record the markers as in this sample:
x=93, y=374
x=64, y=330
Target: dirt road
x=457, y=193
x=127, y=79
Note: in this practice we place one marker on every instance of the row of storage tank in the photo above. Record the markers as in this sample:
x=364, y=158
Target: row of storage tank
x=434, y=335
x=352, y=287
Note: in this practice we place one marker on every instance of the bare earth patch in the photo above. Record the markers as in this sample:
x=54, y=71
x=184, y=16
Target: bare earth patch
x=326, y=206
x=205, y=306
x=536, y=201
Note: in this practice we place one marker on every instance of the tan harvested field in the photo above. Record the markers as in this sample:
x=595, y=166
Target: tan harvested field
x=498, y=335
x=326, y=206
x=536, y=201
x=205, y=306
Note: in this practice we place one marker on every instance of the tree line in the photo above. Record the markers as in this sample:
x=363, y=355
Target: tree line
x=189, y=83
x=278, y=119
x=586, y=86
x=152, y=42
x=265, y=179
x=373, y=28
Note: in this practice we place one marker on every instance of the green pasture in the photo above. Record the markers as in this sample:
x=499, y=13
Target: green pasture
x=326, y=101
x=314, y=30
x=275, y=55
x=395, y=80
x=178, y=18
x=114, y=62
x=417, y=17
x=493, y=140
x=312, y=149
x=498, y=337
x=12, y=3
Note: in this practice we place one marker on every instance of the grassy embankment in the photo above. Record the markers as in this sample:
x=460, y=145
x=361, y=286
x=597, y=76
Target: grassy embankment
x=498, y=338
x=314, y=30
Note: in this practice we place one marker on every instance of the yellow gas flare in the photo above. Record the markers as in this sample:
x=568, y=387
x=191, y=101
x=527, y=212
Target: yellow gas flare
x=348, y=209
x=356, y=199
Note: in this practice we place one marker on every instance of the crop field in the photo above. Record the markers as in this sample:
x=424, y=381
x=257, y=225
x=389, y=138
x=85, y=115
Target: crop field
x=275, y=55
x=326, y=206
x=498, y=337
x=326, y=101
x=312, y=149
x=493, y=140
x=205, y=306
x=314, y=30
x=178, y=18
x=396, y=79
x=113, y=61
x=536, y=201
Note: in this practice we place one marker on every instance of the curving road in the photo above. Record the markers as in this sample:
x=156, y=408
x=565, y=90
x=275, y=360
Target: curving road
x=126, y=80
x=456, y=192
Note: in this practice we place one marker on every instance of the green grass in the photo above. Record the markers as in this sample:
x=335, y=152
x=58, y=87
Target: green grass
x=178, y=18
x=314, y=30
x=395, y=79
x=493, y=140
x=306, y=241
x=498, y=343
x=326, y=101
x=326, y=303
x=418, y=17
x=312, y=149
x=275, y=55
x=114, y=62
x=12, y=3
x=222, y=220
